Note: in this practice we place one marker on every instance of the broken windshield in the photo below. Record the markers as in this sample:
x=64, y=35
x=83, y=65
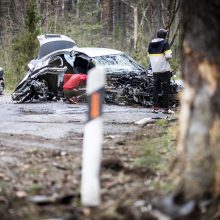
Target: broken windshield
x=119, y=63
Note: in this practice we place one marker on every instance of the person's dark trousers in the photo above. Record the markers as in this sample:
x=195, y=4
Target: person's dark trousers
x=161, y=84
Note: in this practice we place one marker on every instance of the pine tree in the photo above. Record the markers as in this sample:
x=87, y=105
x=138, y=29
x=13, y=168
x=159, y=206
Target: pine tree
x=25, y=43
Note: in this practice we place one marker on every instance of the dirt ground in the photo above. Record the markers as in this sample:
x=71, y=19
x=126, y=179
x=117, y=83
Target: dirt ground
x=40, y=161
x=55, y=174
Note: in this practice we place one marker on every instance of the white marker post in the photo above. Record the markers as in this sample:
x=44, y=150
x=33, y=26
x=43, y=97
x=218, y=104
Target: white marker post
x=93, y=138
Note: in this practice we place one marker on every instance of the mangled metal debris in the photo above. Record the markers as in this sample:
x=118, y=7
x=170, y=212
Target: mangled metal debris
x=53, y=199
x=176, y=206
x=136, y=89
x=41, y=85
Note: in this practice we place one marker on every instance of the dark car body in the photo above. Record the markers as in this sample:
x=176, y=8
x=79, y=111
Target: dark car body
x=2, y=84
x=127, y=81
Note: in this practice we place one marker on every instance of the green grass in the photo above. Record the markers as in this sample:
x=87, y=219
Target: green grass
x=35, y=189
x=3, y=186
x=162, y=122
x=162, y=185
x=155, y=152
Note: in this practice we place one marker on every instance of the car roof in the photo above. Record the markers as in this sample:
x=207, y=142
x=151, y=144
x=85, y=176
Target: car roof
x=96, y=52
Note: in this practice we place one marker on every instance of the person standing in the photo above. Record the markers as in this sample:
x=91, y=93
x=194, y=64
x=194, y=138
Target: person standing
x=159, y=53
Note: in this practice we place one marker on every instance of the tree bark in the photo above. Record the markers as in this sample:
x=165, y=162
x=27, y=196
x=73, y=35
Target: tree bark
x=135, y=26
x=123, y=25
x=105, y=10
x=199, y=140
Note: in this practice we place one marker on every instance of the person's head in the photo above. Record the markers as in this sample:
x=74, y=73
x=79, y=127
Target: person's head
x=162, y=33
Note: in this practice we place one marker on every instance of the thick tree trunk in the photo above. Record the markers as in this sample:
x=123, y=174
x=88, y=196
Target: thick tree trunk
x=199, y=139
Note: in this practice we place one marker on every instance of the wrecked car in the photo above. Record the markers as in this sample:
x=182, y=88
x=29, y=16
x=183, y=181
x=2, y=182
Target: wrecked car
x=45, y=74
x=128, y=83
x=2, y=84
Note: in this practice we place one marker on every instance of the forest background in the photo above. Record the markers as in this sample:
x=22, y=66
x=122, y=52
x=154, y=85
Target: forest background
x=126, y=25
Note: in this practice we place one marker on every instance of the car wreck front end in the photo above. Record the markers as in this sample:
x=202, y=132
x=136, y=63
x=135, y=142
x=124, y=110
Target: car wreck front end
x=44, y=77
x=42, y=82
x=127, y=82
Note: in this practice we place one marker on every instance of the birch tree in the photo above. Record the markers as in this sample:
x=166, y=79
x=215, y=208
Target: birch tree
x=135, y=5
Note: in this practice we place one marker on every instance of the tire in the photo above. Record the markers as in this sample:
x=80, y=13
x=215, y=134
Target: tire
x=45, y=95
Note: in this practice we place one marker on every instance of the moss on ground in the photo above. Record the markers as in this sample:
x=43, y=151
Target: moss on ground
x=154, y=152
x=157, y=154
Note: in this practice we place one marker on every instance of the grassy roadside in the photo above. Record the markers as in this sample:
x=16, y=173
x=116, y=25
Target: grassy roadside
x=157, y=154
x=8, y=91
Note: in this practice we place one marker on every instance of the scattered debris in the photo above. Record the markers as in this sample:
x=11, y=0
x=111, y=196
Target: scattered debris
x=145, y=121
x=21, y=194
x=58, y=166
x=121, y=142
x=110, y=137
x=45, y=200
x=42, y=200
x=63, y=153
x=173, y=206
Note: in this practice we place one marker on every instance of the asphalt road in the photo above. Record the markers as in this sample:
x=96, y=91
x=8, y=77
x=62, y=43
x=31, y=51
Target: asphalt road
x=59, y=124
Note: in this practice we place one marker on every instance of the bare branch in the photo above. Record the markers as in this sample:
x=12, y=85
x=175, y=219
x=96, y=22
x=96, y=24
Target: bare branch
x=176, y=8
x=144, y=15
x=128, y=3
x=175, y=34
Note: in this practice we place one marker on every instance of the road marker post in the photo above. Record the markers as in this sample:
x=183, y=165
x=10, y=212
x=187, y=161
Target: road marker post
x=93, y=139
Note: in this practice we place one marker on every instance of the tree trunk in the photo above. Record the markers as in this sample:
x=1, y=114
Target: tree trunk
x=105, y=10
x=199, y=139
x=63, y=9
x=158, y=15
x=135, y=26
x=123, y=25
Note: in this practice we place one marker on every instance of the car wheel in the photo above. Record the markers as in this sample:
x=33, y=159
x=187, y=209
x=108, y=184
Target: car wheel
x=44, y=93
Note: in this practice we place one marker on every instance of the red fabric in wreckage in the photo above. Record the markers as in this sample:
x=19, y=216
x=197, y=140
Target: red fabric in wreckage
x=74, y=81
x=66, y=77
